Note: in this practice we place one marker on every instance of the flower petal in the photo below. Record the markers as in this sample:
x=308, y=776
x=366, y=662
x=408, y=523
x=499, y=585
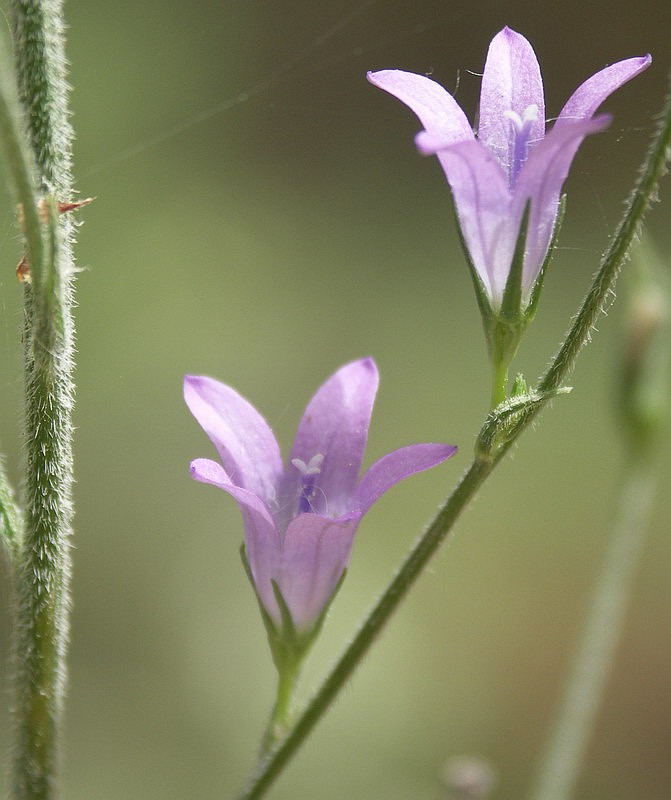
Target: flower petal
x=437, y=110
x=315, y=554
x=262, y=541
x=482, y=200
x=511, y=83
x=541, y=181
x=246, y=445
x=335, y=426
x=594, y=91
x=395, y=466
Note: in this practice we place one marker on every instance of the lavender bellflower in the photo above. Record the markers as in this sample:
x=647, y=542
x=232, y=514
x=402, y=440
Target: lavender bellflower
x=300, y=517
x=511, y=163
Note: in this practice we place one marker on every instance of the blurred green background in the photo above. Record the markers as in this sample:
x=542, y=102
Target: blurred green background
x=263, y=217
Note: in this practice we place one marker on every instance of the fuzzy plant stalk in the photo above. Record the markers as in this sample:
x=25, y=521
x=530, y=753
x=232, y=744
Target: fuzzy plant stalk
x=39, y=163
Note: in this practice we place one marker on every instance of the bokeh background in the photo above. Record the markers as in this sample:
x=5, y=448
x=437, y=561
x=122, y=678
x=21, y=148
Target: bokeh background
x=263, y=217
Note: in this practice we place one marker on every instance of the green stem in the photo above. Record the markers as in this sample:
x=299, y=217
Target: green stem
x=566, y=749
x=499, y=383
x=653, y=168
x=43, y=563
x=280, y=718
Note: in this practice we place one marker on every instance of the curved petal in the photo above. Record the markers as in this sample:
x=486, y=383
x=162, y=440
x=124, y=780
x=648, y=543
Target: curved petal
x=511, y=83
x=207, y=471
x=246, y=445
x=594, y=91
x=482, y=200
x=541, y=181
x=396, y=466
x=335, y=427
x=437, y=110
x=315, y=553
x=262, y=541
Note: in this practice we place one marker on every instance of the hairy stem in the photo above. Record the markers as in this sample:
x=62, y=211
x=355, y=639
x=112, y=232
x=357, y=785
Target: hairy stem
x=653, y=168
x=42, y=571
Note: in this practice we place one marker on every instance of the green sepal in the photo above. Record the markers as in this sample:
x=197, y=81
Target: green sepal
x=503, y=422
x=520, y=386
x=511, y=304
x=268, y=621
x=503, y=326
x=509, y=321
x=530, y=310
x=288, y=628
x=480, y=291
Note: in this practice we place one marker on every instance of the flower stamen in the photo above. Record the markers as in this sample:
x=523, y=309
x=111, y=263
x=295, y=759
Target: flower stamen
x=521, y=130
x=309, y=474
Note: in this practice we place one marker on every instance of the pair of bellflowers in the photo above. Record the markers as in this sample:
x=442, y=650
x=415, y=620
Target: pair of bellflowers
x=507, y=179
x=300, y=517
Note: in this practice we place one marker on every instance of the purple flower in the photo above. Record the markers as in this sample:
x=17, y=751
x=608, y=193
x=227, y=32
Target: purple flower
x=300, y=518
x=512, y=161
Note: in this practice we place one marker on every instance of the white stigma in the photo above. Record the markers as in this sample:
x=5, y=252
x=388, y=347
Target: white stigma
x=530, y=115
x=313, y=467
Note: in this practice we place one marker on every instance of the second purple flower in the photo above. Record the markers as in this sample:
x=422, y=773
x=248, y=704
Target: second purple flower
x=300, y=517
x=512, y=162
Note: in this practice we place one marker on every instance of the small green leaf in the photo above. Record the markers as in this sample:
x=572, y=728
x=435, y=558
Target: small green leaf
x=480, y=291
x=503, y=422
x=519, y=386
x=511, y=305
x=288, y=628
x=317, y=626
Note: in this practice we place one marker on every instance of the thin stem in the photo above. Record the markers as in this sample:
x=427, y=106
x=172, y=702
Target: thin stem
x=566, y=749
x=281, y=714
x=499, y=383
x=653, y=168
x=43, y=563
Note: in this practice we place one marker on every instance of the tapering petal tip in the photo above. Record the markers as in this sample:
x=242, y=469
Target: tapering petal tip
x=367, y=362
x=509, y=33
x=511, y=84
x=207, y=471
x=437, y=110
x=397, y=465
x=246, y=445
x=594, y=91
x=429, y=144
